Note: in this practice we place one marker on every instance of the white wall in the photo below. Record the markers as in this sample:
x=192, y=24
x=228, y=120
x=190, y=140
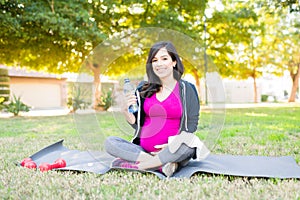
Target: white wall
x=241, y=91
x=38, y=95
x=39, y=92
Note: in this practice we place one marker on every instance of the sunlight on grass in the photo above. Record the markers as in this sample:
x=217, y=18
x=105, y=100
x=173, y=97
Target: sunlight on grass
x=252, y=114
x=277, y=137
x=255, y=131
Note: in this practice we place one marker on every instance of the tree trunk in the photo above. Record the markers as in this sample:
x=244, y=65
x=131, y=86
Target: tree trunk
x=95, y=68
x=254, y=85
x=97, y=86
x=195, y=74
x=255, y=89
x=295, y=78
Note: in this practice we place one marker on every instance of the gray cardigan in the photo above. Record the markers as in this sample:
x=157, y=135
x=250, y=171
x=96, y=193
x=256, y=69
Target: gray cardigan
x=190, y=115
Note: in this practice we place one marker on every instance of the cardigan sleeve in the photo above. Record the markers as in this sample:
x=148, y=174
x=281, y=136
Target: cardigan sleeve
x=193, y=108
x=192, y=141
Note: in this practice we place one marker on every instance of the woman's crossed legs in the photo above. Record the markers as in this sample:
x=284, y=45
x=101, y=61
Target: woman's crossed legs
x=126, y=150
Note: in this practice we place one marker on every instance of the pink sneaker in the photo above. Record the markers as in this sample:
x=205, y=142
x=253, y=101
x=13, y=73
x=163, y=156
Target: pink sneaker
x=120, y=163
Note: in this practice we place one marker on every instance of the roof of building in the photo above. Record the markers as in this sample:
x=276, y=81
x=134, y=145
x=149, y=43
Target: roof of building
x=22, y=72
x=70, y=77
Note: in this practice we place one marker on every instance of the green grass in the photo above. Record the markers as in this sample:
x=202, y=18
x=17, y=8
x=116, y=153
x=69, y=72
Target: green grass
x=255, y=131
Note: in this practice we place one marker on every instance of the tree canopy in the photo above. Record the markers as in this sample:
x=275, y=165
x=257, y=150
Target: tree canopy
x=56, y=36
x=242, y=38
x=48, y=35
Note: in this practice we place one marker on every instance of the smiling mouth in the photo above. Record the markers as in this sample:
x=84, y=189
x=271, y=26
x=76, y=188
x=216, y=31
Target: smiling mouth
x=160, y=69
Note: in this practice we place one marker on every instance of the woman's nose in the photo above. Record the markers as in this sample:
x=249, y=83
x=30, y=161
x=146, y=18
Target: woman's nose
x=159, y=62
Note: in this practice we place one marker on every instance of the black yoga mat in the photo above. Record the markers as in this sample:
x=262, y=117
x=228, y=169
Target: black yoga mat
x=234, y=165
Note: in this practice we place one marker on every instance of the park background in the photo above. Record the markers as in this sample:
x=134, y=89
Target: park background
x=254, y=46
x=45, y=46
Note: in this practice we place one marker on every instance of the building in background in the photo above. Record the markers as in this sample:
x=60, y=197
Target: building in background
x=41, y=90
x=38, y=90
x=45, y=91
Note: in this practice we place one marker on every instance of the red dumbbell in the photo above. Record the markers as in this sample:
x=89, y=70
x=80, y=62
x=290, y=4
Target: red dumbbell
x=28, y=163
x=25, y=160
x=59, y=163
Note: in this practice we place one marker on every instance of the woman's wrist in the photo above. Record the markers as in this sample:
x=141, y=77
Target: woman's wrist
x=129, y=116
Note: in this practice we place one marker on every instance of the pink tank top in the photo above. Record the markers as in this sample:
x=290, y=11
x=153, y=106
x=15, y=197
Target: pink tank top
x=162, y=120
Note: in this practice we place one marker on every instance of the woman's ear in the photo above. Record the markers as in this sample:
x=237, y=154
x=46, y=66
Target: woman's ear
x=174, y=63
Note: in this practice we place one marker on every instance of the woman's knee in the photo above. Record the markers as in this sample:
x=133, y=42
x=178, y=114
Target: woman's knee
x=183, y=153
x=185, y=150
x=109, y=142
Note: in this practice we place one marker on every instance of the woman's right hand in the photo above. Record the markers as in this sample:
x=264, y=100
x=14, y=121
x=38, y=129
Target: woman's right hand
x=129, y=99
x=126, y=101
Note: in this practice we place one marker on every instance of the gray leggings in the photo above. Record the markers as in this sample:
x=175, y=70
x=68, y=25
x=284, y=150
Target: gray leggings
x=126, y=150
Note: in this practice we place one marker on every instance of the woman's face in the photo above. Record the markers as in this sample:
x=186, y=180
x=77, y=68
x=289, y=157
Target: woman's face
x=162, y=64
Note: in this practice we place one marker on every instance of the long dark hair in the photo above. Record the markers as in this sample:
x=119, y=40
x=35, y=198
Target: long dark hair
x=154, y=84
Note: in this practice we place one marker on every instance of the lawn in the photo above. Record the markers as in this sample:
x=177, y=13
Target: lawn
x=255, y=131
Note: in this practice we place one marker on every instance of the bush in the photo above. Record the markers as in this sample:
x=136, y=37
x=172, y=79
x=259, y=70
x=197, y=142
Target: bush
x=106, y=100
x=15, y=106
x=2, y=100
x=264, y=98
x=4, y=84
x=77, y=100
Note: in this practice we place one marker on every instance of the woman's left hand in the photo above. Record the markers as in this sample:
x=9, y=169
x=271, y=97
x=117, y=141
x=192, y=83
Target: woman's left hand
x=159, y=148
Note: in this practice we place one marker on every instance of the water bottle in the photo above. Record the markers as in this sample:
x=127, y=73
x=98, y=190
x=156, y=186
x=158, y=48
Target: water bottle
x=129, y=88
